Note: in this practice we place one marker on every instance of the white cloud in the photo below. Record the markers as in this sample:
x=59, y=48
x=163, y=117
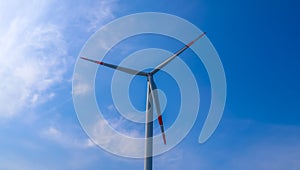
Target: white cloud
x=65, y=139
x=37, y=39
x=103, y=136
x=80, y=89
x=34, y=48
x=52, y=132
x=102, y=11
x=32, y=58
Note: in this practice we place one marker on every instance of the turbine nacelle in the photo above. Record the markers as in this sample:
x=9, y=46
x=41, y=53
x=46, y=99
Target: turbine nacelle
x=152, y=94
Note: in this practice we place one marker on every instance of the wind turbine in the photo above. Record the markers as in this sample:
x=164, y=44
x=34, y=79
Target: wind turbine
x=152, y=98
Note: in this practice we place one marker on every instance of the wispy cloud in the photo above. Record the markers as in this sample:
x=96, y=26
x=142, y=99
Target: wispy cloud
x=80, y=88
x=100, y=13
x=35, y=51
x=65, y=139
x=32, y=58
x=108, y=138
x=38, y=41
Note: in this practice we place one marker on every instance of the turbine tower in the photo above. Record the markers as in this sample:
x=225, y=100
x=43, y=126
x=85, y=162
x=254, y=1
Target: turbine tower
x=152, y=99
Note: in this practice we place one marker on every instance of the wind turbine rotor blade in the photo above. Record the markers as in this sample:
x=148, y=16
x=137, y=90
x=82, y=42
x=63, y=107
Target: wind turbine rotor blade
x=120, y=68
x=157, y=105
x=160, y=66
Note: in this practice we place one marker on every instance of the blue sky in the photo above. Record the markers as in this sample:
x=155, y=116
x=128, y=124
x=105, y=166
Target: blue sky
x=257, y=42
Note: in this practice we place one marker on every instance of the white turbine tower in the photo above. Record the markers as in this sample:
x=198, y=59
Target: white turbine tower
x=152, y=98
